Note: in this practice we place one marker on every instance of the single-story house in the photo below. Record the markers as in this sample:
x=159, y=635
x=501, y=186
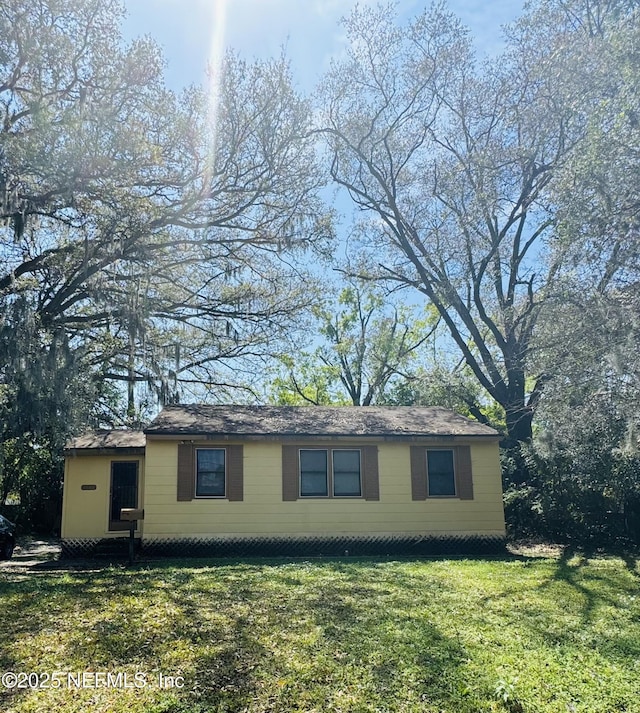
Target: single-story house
x=296, y=480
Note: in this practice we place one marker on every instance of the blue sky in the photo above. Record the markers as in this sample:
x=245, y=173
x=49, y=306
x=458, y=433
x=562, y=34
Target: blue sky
x=310, y=30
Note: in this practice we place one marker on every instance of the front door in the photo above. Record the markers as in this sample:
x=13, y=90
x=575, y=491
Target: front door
x=124, y=492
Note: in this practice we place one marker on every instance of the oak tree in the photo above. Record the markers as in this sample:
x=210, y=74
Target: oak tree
x=457, y=166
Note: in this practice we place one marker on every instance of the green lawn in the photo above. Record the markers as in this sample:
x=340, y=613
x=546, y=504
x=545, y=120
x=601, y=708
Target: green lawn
x=512, y=634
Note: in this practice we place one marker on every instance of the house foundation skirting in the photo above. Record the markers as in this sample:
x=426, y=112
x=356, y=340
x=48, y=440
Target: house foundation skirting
x=97, y=546
x=274, y=546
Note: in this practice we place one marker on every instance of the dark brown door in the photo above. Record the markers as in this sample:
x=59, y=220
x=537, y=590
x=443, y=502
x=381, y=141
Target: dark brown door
x=124, y=492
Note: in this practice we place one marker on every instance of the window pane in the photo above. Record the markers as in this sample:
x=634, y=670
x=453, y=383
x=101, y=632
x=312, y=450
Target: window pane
x=313, y=473
x=440, y=473
x=346, y=473
x=210, y=484
x=346, y=484
x=210, y=459
x=210, y=474
x=313, y=484
x=346, y=461
x=313, y=461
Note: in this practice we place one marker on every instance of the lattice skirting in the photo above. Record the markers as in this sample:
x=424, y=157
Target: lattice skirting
x=263, y=546
x=96, y=547
x=324, y=546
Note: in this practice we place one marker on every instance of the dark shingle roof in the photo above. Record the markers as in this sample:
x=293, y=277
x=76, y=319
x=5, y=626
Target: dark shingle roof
x=107, y=440
x=194, y=419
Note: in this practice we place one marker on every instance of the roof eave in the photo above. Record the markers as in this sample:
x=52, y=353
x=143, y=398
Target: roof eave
x=105, y=451
x=213, y=435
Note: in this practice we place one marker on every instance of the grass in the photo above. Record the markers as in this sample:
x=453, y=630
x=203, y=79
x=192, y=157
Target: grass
x=515, y=634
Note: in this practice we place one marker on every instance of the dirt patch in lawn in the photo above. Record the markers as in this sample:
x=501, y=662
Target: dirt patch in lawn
x=530, y=548
x=31, y=552
x=41, y=554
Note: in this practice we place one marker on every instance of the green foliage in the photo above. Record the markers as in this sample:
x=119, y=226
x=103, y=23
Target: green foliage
x=49, y=391
x=584, y=459
x=32, y=472
x=303, y=381
x=368, y=345
x=455, y=389
x=585, y=490
x=141, y=222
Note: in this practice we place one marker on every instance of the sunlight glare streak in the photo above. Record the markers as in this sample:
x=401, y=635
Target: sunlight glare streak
x=215, y=69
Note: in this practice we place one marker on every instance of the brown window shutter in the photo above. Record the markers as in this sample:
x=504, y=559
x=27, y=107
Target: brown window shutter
x=290, y=487
x=235, y=472
x=418, y=473
x=370, y=479
x=186, y=471
x=464, y=480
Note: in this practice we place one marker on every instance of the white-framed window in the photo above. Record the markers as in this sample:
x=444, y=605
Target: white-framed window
x=314, y=473
x=347, y=477
x=210, y=473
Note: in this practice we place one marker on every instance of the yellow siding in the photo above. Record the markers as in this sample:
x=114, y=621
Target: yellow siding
x=85, y=513
x=263, y=512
